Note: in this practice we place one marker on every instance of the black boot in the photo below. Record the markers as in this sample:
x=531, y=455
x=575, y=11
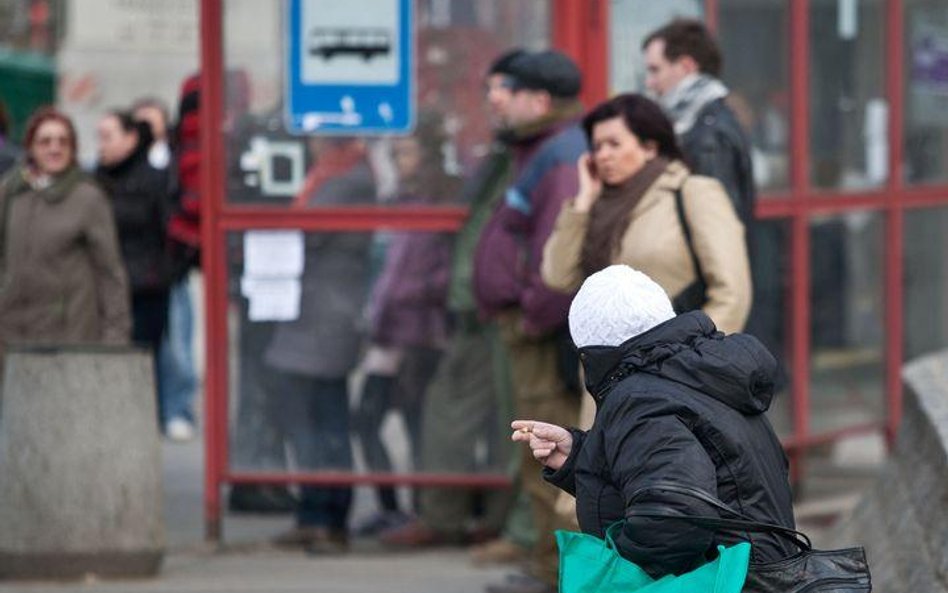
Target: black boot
x=261, y=498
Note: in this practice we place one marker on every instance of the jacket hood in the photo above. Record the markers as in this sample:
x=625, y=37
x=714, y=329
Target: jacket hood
x=736, y=370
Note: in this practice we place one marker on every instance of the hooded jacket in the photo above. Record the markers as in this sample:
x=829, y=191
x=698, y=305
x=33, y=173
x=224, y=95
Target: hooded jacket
x=680, y=404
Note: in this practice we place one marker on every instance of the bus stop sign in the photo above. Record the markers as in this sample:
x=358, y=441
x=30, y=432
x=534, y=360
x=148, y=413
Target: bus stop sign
x=349, y=67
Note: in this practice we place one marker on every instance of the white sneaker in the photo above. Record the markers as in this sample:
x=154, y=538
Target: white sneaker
x=179, y=430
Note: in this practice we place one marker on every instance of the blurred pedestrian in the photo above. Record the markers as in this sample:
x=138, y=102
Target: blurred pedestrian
x=680, y=422
x=683, y=68
x=408, y=326
x=62, y=280
x=179, y=381
x=10, y=153
x=138, y=193
x=469, y=395
x=544, y=113
x=639, y=205
x=311, y=357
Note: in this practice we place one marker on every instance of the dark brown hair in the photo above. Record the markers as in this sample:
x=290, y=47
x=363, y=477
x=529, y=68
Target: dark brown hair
x=643, y=117
x=689, y=37
x=43, y=115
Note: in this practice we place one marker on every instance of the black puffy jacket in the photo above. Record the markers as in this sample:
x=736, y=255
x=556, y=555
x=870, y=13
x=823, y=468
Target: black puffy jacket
x=681, y=404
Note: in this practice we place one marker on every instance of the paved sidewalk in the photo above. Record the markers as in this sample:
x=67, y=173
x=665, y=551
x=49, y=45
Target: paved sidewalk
x=247, y=564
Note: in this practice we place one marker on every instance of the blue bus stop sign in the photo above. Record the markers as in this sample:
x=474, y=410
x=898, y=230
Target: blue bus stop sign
x=349, y=67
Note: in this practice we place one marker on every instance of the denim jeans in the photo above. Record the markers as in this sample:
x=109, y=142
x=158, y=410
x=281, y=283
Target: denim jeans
x=178, y=380
x=314, y=414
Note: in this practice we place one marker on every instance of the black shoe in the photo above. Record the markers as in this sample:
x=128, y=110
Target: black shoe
x=253, y=498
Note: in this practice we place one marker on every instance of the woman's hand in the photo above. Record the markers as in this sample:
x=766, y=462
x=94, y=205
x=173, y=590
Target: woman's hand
x=551, y=444
x=590, y=186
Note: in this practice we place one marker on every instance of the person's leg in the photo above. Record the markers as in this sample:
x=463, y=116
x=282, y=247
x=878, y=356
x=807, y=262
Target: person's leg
x=175, y=357
x=257, y=440
x=330, y=413
x=374, y=404
x=458, y=399
x=149, y=321
x=540, y=394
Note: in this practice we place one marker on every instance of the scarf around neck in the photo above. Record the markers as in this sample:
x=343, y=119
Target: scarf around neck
x=609, y=217
x=685, y=101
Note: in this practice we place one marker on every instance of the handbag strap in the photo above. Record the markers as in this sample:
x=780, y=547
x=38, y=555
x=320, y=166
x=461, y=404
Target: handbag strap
x=686, y=230
x=742, y=523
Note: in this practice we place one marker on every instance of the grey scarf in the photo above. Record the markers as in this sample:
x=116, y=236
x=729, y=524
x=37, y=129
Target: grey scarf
x=685, y=101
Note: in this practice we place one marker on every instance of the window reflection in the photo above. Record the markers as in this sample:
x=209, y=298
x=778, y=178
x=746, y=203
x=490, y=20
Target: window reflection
x=926, y=79
x=848, y=109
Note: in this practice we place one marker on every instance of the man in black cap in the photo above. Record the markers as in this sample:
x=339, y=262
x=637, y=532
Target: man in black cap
x=546, y=141
x=468, y=398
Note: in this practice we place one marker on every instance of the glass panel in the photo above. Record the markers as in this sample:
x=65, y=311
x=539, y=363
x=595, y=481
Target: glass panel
x=455, y=44
x=926, y=80
x=629, y=22
x=769, y=316
x=848, y=109
x=754, y=41
x=335, y=349
x=846, y=320
x=925, y=282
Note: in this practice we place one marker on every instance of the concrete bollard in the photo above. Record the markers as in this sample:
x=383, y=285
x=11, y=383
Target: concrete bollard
x=80, y=464
x=903, y=519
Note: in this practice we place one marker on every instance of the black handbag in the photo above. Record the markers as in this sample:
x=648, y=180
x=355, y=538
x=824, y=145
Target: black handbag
x=808, y=571
x=695, y=295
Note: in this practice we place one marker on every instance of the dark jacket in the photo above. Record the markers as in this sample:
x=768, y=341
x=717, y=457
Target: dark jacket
x=324, y=341
x=61, y=275
x=510, y=248
x=717, y=147
x=684, y=404
x=140, y=201
x=408, y=300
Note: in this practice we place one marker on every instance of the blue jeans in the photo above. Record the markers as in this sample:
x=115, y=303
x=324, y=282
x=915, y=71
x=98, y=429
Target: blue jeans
x=314, y=414
x=178, y=381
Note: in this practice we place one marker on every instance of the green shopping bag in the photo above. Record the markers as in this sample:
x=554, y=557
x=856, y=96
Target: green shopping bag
x=591, y=565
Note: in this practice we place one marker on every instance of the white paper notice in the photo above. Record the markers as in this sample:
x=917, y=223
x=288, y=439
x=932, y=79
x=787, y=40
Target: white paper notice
x=273, y=264
x=273, y=254
x=272, y=299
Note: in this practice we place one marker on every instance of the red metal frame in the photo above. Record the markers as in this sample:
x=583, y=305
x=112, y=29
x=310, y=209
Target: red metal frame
x=212, y=188
x=580, y=28
x=800, y=230
x=895, y=261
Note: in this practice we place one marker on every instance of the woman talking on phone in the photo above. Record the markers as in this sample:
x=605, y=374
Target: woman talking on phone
x=639, y=205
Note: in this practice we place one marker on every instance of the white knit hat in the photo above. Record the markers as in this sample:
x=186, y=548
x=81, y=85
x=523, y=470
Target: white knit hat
x=616, y=304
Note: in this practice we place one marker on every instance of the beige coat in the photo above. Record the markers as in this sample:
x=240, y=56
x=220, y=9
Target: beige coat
x=655, y=244
x=63, y=280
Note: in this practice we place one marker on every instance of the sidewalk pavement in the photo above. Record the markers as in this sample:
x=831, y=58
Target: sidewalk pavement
x=246, y=563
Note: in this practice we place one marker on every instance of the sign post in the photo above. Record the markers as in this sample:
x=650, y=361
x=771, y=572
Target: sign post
x=349, y=67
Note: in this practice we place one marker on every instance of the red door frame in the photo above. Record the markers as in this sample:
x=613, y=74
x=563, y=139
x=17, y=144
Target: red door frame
x=578, y=28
